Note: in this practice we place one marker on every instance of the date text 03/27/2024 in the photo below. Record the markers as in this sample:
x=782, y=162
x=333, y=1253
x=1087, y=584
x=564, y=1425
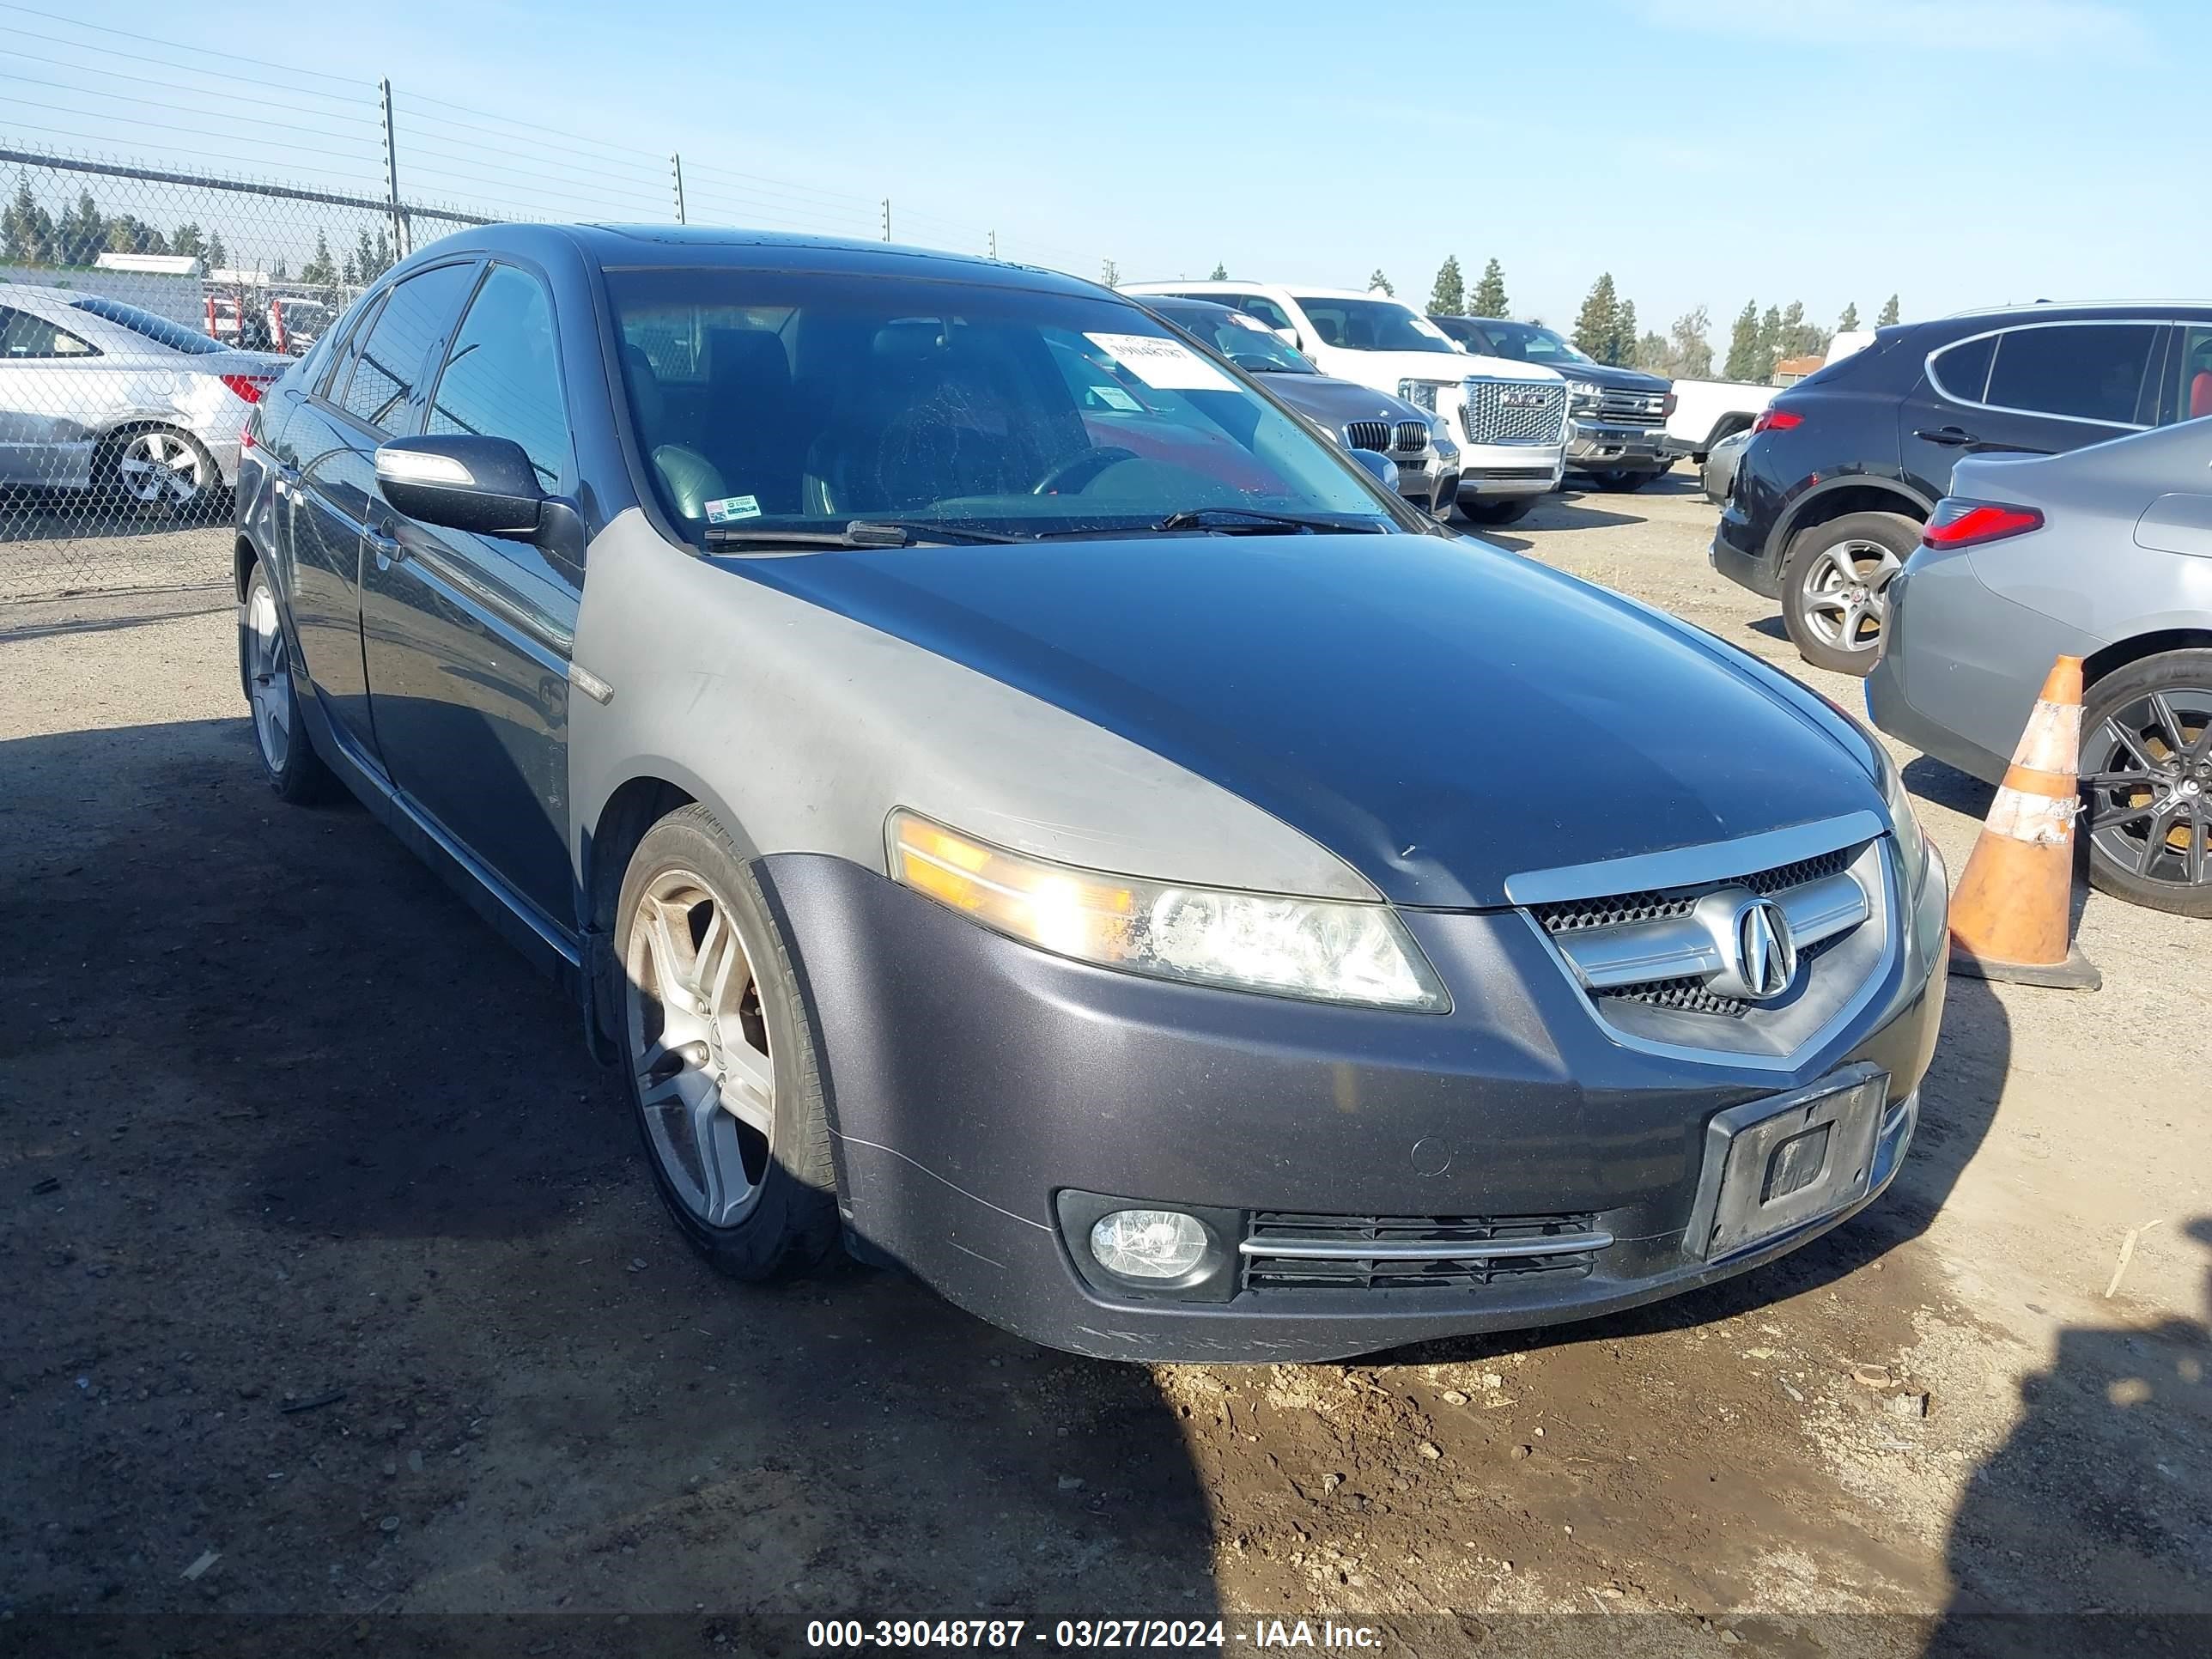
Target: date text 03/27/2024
x=1136, y=1635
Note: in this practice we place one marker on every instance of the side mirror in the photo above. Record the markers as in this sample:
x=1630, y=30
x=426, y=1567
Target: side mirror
x=1384, y=469
x=1289, y=336
x=482, y=485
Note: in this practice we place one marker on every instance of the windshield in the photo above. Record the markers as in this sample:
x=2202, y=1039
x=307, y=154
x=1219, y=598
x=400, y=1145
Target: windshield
x=1371, y=326
x=805, y=402
x=175, y=336
x=1247, y=342
x=1528, y=343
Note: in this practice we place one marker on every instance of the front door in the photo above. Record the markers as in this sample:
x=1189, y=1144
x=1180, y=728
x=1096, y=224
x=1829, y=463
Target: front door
x=467, y=637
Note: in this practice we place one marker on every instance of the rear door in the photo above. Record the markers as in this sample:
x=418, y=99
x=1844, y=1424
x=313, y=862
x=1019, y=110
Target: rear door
x=2034, y=388
x=372, y=392
x=467, y=637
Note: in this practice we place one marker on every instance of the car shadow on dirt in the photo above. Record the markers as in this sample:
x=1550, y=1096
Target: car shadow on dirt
x=336, y=1255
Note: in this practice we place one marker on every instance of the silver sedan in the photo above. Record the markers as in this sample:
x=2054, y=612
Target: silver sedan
x=97, y=395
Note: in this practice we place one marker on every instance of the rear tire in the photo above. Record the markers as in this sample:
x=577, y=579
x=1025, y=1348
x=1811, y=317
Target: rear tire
x=156, y=472
x=719, y=1057
x=2146, y=736
x=289, y=759
x=1832, y=587
x=1511, y=510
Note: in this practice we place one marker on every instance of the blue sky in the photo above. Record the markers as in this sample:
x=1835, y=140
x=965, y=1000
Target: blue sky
x=1703, y=151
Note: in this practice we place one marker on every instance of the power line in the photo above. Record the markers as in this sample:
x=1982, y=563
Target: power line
x=657, y=165
x=181, y=46
x=170, y=126
x=557, y=132
x=163, y=63
x=195, y=92
x=220, y=155
x=126, y=98
x=412, y=139
x=868, y=202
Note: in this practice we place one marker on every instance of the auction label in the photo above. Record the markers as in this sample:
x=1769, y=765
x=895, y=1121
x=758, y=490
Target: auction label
x=1164, y=364
x=1072, y=1635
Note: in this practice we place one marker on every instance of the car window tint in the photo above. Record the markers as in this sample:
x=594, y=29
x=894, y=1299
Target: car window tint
x=502, y=378
x=2194, y=373
x=393, y=359
x=339, y=363
x=1265, y=309
x=2083, y=372
x=678, y=344
x=23, y=335
x=1962, y=370
x=162, y=330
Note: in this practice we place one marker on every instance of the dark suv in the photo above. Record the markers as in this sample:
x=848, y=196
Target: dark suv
x=1844, y=468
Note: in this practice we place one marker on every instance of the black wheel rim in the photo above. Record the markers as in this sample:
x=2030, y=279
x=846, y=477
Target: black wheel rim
x=2148, y=773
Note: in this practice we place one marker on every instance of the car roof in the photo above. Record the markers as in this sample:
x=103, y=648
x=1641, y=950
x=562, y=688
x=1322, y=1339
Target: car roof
x=1196, y=290
x=620, y=246
x=2073, y=308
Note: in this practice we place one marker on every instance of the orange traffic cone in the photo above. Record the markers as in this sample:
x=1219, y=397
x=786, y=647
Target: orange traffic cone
x=2010, y=914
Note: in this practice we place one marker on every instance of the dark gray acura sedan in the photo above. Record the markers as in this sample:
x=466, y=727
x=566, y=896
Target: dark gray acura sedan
x=1122, y=864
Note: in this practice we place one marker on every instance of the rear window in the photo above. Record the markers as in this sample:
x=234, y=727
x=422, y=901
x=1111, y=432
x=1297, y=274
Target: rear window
x=2078, y=371
x=160, y=330
x=1962, y=372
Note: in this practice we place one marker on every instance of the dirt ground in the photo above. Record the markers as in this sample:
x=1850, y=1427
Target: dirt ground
x=335, y=1287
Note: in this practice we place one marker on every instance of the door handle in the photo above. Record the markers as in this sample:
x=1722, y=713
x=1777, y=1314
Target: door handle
x=1951, y=437
x=385, y=546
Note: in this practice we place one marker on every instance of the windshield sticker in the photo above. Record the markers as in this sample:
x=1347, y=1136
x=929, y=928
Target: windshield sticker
x=1422, y=324
x=730, y=508
x=1114, y=398
x=1165, y=365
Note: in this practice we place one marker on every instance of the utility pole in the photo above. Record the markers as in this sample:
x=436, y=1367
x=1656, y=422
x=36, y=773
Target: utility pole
x=676, y=166
x=887, y=218
x=994, y=245
x=400, y=250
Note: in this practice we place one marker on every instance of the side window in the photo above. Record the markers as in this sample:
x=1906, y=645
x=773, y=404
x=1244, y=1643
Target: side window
x=23, y=337
x=2194, y=373
x=342, y=344
x=389, y=367
x=1961, y=372
x=502, y=377
x=2081, y=372
x=1265, y=309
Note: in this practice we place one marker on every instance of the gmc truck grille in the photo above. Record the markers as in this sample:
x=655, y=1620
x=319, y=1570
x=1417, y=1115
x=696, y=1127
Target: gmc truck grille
x=1513, y=412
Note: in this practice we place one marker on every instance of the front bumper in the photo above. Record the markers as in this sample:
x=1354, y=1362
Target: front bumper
x=974, y=1081
x=1497, y=472
x=1607, y=447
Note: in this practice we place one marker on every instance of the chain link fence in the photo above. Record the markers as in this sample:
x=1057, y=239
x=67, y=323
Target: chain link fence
x=144, y=304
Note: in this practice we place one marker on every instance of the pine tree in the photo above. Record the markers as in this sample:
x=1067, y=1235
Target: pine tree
x=1489, y=292
x=82, y=232
x=1378, y=280
x=1621, y=347
x=1889, y=318
x=1653, y=355
x=1743, y=346
x=1593, y=324
x=1770, y=342
x=1689, y=353
x=26, y=230
x=320, y=269
x=218, y=257
x=188, y=241
x=1849, y=320
x=1448, y=297
x=1221, y=272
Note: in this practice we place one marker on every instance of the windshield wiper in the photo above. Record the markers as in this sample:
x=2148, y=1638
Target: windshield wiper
x=860, y=533
x=1246, y=521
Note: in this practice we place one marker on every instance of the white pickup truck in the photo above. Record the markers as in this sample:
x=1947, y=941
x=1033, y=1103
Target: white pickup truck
x=1508, y=419
x=1706, y=411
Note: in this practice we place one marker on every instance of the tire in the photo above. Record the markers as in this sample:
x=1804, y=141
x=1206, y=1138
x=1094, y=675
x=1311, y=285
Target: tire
x=1622, y=479
x=1511, y=511
x=2146, y=737
x=748, y=1180
x=288, y=756
x=1832, y=583
x=156, y=472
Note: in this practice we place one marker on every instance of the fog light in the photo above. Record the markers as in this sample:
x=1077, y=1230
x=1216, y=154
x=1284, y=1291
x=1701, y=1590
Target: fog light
x=1147, y=1243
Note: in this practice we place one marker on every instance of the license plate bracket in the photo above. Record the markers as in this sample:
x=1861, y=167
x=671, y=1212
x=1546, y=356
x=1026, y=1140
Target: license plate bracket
x=1772, y=1165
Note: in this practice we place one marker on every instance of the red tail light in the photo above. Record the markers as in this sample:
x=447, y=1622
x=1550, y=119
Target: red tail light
x=1667, y=406
x=1777, y=420
x=245, y=387
x=1969, y=524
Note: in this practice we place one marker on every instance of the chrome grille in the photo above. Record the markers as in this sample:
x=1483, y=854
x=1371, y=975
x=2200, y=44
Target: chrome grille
x=1368, y=434
x=1412, y=436
x=1513, y=412
x=1615, y=909
x=1633, y=408
x=1294, y=1250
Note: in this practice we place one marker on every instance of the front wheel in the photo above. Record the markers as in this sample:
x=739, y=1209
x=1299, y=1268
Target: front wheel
x=719, y=1057
x=1511, y=510
x=1623, y=479
x=158, y=472
x=2147, y=780
x=1835, y=586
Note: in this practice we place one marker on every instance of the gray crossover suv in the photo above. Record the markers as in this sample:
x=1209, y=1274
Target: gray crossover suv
x=1107, y=854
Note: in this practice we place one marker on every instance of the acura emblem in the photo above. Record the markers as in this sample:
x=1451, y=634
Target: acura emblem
x=1765, y=954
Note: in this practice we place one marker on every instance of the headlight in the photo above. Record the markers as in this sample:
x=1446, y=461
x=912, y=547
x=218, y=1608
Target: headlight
x=1420, y=393
x=1316, y=948
x=1912, y=840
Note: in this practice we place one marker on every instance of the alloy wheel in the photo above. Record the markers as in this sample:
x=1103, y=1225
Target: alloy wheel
x=2149, y=785
x=698, y=1048
x=268, y=676
x=159, y=469
x=1844, y=588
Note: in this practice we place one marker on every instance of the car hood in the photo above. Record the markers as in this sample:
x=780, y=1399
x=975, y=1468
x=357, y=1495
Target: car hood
x=1333, y=402
x=1618, y=380
x=1439, y=714
x=1392, y=366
